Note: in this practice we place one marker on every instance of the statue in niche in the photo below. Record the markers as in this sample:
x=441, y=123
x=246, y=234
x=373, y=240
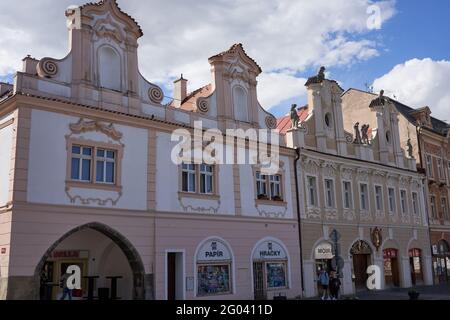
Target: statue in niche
x=318, y=78
x=365, y=134
x=294, y=117
x=357, y=134
x=410, y=148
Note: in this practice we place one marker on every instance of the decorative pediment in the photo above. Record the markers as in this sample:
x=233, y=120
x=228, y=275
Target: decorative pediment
x=107, y=28
x=86, y=126
x=236, y=56
x=329, y=169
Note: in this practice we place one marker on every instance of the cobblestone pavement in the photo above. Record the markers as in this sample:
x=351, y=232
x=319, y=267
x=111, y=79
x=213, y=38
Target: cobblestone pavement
x=438, y=292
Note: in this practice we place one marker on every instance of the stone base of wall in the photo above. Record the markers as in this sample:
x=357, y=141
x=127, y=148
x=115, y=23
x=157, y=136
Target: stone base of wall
x=21, y=288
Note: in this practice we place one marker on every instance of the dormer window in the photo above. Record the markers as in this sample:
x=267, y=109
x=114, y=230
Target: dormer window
x=109, y=68
x=240, y=104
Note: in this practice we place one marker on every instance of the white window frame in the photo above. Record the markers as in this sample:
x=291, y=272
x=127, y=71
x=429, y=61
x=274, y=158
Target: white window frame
x=350, y=195
x=260, y=181
x=415, y=202
x=392, y=204
x=316, y=194
x=381, y=204
x=204, y=174
x=404, y=202
x=366, y=197
x=104, y=161
x=274, y=182
x=82, y=157
x=429, y=160
x=189, y=175
x=332, y=193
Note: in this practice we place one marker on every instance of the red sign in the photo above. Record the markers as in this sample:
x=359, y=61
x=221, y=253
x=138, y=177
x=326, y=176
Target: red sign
x=66, y=254
x=415, y=253
x=389, y=253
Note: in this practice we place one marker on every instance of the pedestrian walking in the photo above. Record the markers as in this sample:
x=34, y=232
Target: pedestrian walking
x=67, y=292
x=335, y=285
x=324, y=281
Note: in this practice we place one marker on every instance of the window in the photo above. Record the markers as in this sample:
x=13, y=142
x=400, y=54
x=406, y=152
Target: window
x=444, y=208
x=348, y=201
x=363, y=193
x=188, y=177
x=206, y=179
x=109, y=65
x=276, y=275
x=213, y=279
x=240, y=104
x=429, y=165
x=329, y=193
x=415, y=203
x=81, y=163
x=312, y=191
x=440, y=169
x=268, y=187
x=388, y=136
x=391, y=193
x=403, y=201
x=433, y=207
x=275, y=187
x=328, y=120
x=105, y=170
x=379, y=198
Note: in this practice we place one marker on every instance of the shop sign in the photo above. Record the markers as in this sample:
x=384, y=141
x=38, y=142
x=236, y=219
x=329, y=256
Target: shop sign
x=213, y=250
x=70, y=254
x=390, y=253
x=269, y=250
x=415, y=253
x=324, y=251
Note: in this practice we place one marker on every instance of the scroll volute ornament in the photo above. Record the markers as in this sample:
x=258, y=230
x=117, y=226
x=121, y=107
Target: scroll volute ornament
x=203, y=105
x=271, y=122
x=47, y=68
x=155, y=95
x=376, y=236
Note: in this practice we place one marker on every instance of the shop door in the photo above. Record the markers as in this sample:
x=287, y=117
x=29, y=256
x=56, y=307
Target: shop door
x=360, y=264
x=258, y=281
x=395, y=272
x=413, y=271
x=171, y=276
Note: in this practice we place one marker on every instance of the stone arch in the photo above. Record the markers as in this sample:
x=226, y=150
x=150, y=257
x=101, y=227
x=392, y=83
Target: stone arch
x=392, y=243
x=355, y=242
x=123, y=243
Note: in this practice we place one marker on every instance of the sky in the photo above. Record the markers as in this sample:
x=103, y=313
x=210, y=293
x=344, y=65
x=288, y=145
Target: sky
x=401, y=46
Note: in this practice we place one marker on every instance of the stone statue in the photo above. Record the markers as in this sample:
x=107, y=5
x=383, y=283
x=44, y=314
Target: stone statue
x=377, y=238
x=318, y=78
x=294, y=116
x=379, y=101
x=365, y=134
x=357, y=134
x=410, y=148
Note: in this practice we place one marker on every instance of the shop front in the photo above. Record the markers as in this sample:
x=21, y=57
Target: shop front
x=415, y=263
x=391, y=268
x=361, y=254
x=323, y=255
x=214, y=269
x=441, y=262
x=270, y=269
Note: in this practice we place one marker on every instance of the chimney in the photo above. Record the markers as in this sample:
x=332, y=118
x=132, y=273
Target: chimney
x=179, y=91
x=29, y=65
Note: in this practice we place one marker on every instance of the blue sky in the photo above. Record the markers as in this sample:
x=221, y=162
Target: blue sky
x=409, y=57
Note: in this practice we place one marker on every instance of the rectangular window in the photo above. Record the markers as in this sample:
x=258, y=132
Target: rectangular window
x=348, y=201
x=188, y=177
x=363, y=194
x=433, y=207
x=329, y=193
x=213, y=279
x=105, y=166
x=403, y=201
x=261, y=185
x=415, y=202
x=440, y=169
x=81, y=163
x=444, y=208
x=429, y=165
x=379, y=198
x=391, y=193
x=275, y=187
x=312, y=191
x=276, y=275
x=206, y=179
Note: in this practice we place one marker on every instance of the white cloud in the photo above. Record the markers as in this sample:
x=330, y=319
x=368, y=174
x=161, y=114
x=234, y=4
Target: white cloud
x=275, y=88
x=180, y=35
x=420, y=83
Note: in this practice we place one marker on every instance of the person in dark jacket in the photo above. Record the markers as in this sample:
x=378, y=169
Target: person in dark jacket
x=335, y=286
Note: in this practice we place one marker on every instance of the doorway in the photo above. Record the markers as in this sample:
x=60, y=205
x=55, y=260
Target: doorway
x=391, y=268
x=361, y=254
x=258, y=281
x=175, y=276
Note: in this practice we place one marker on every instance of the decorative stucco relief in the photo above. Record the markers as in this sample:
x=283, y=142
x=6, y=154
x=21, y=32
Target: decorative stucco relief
x=89, y=201
x=86, y=126
x=199, y=209
x=271, y=213
x=155, y=94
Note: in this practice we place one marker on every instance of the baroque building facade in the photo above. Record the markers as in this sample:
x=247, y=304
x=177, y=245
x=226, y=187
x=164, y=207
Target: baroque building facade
x=87, y=180
x=428, y=141
x=362, y=199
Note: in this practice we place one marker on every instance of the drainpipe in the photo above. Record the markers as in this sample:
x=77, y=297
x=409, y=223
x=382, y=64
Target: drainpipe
x=297, y=151
x=425, y=180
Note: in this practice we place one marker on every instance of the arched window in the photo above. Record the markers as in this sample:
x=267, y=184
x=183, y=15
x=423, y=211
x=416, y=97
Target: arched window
x=109, y=68
x=240, y=104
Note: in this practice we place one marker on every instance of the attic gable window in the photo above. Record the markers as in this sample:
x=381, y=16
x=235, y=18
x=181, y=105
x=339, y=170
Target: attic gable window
x=240, y=104
x=109, y=68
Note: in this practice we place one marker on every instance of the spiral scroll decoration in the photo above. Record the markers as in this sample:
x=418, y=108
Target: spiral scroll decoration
x=155, y=94
x=47, y=67
x=271, y=122
x=202, y=105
